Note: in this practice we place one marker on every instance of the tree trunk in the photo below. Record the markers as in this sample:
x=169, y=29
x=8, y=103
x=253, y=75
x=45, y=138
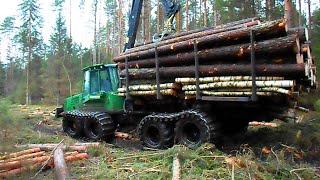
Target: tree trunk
x=159, y=17
x=253, y=6
x=95, y=32
x=205, y=16
x=288, y=13
x=146, y=21
x=60, y=166
x=215, y=14
x=287, y=70
x=187, y=16
x=300, y=13
x=120, y=26
x=310, y=19
x=269, y=47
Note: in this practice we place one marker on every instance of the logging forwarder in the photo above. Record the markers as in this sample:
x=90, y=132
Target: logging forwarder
x=184, y=101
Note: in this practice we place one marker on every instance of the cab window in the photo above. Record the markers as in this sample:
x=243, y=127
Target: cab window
x=105, y=83
x=94, y=82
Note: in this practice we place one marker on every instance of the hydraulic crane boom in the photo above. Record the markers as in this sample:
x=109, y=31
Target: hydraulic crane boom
x=170, y=8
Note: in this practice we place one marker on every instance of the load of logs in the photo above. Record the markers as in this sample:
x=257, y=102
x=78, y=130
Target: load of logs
x=220, y=59
x=40, y=156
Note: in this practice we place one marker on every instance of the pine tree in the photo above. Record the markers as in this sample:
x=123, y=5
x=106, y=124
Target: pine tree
x=58, y=64
x=30, y=37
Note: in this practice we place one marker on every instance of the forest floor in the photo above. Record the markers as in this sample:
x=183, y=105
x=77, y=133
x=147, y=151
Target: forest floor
x=290, y=151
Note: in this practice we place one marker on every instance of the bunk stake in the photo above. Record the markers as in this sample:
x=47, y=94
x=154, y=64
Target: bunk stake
x=128, y=107
x=127, y=79
x=253, y=68
x=196, y=70
x=157, y=73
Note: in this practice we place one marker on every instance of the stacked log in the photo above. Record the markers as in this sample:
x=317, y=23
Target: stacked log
x=283, y=62
x=40, y=156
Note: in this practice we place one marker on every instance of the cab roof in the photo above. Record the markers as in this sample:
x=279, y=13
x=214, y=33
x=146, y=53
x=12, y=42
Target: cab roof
x=98, y=66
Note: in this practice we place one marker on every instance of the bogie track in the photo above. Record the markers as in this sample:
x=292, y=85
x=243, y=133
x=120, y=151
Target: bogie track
x=190, y=128
x=92, y=125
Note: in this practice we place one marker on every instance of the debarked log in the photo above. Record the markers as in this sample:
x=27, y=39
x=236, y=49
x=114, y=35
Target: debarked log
x=285, y=70
x=166, y=92
x=224, y=78
x=241, y=84
x=146, y=87
x=227, y=91
x=283, y=45
x=262, y=31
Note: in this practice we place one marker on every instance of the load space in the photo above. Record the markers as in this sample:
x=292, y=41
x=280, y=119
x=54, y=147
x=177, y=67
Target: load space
x=282, y=65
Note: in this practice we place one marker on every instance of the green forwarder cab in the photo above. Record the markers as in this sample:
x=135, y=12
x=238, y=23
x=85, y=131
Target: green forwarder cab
x=90, y=111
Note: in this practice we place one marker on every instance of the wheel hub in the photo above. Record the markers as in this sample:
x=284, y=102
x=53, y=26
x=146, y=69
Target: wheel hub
x=191, y=132
x=153, y=135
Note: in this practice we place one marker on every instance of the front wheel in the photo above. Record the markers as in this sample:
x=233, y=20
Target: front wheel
x=72, y=126
x=155, y=134
x=99, y=126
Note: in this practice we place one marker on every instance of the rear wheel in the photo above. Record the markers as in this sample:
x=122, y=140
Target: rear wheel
x=195, y=129
x=155, y=134
x=72, y=126
x=99, y=126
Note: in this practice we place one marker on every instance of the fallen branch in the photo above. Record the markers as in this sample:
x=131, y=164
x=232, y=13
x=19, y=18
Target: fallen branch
x=60, y=166
x=255, y=123
x=176, y=168
x=122, y=135
x=46, y=163
x=139, y=156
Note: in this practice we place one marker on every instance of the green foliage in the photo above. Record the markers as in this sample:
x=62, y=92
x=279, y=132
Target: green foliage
x=4, y=111
x=7, y=26
x=317, y=105
x=316, y=38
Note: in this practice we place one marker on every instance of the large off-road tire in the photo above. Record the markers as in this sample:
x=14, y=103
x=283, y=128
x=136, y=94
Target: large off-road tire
x=72, y=126
x=99, y=126
x=194, y=129
x=155, y=134
x=234, y=131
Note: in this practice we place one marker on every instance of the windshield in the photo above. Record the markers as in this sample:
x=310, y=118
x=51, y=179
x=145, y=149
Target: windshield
x=105, y=84
x=96, y=81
